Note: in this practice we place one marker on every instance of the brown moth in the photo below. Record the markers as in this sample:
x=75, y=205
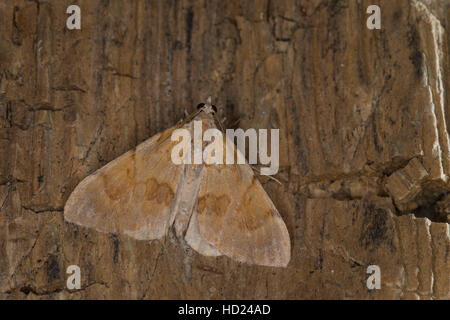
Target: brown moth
x=218, y=209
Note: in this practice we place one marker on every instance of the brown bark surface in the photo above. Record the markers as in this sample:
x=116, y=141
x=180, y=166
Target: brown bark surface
x=364, y=146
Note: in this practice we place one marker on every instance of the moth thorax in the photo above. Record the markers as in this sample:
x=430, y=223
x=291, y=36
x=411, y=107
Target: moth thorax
x=208, y=109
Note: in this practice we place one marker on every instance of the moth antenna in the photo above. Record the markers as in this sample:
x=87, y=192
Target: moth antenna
x=236, y=122
x=270, y=177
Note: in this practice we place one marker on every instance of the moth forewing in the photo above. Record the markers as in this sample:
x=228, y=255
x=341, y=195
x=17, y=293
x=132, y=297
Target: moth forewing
x=132, y=194
x=238, y=218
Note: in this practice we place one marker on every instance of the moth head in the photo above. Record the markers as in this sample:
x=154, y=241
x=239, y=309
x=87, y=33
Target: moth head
x=207, y=107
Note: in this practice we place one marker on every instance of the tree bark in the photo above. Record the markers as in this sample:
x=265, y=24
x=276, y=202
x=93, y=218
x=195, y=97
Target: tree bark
x=364, y=146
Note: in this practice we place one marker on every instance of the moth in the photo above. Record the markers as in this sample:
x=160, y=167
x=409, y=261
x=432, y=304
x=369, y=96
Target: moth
x=218, y=209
